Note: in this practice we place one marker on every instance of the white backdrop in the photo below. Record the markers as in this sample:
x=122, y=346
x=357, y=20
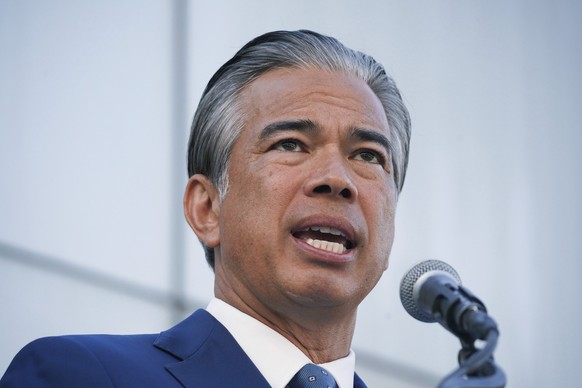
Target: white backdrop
x=95, y=104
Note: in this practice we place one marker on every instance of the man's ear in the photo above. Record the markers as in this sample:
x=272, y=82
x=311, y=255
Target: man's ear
x=202, y=209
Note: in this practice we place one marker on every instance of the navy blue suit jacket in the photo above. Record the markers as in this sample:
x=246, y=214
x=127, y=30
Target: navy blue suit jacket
x=197, y=352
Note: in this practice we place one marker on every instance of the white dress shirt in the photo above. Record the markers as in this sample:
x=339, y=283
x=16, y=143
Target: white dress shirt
x=275, y=356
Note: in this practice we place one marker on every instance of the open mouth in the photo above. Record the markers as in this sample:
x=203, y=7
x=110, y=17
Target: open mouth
x=325, y=238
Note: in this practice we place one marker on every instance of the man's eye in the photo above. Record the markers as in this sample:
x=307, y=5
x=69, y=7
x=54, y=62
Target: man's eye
x=288, y=146
x=369, y=157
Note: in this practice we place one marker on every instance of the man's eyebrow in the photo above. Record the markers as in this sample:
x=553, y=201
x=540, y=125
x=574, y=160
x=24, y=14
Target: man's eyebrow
x=288, y=125
x=371, y=135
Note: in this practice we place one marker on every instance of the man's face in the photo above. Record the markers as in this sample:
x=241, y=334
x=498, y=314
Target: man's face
x=309, y=217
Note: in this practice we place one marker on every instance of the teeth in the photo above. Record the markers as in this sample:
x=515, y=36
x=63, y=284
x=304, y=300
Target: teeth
x=325, y=229
x=326, y=245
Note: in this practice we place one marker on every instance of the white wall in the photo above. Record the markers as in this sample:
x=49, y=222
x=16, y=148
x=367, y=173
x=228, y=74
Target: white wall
x=95, y=100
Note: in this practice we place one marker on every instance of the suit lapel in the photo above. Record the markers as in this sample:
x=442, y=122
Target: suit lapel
x=358, y=383
x=209, y=355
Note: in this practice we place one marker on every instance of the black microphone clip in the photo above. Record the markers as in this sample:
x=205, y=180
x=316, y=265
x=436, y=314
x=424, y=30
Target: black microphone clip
x=455, y=307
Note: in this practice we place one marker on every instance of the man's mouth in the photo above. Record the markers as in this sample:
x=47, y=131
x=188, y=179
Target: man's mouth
x=325, y=238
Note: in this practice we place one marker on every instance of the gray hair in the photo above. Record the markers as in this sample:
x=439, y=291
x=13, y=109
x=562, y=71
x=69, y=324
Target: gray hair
x=219, y=117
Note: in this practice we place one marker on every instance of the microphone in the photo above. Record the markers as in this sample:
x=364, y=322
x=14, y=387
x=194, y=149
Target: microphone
x=431, y=291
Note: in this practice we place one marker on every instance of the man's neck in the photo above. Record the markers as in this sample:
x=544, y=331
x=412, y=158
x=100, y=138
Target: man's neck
x=323, y=334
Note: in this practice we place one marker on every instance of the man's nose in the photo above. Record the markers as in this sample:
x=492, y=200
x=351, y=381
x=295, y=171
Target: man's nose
x=331, y=177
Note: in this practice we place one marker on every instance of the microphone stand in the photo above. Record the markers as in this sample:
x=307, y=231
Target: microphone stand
x=432, y=292
x=477, y=368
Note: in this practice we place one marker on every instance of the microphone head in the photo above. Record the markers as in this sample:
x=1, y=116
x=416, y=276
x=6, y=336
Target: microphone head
x=407, y=285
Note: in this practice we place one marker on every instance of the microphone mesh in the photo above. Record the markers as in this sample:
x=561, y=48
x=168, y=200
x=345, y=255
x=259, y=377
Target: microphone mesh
x=408, y=281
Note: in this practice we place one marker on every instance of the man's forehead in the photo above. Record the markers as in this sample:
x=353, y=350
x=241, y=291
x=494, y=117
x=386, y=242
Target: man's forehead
x=296, y=91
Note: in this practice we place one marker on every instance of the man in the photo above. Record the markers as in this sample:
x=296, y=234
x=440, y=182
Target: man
x=298, y=152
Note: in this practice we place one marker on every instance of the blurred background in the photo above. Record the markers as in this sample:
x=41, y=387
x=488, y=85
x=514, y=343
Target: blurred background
x=96, y=99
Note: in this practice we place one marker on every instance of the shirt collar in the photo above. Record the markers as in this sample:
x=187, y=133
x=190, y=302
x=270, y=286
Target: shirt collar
x=275, y=356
